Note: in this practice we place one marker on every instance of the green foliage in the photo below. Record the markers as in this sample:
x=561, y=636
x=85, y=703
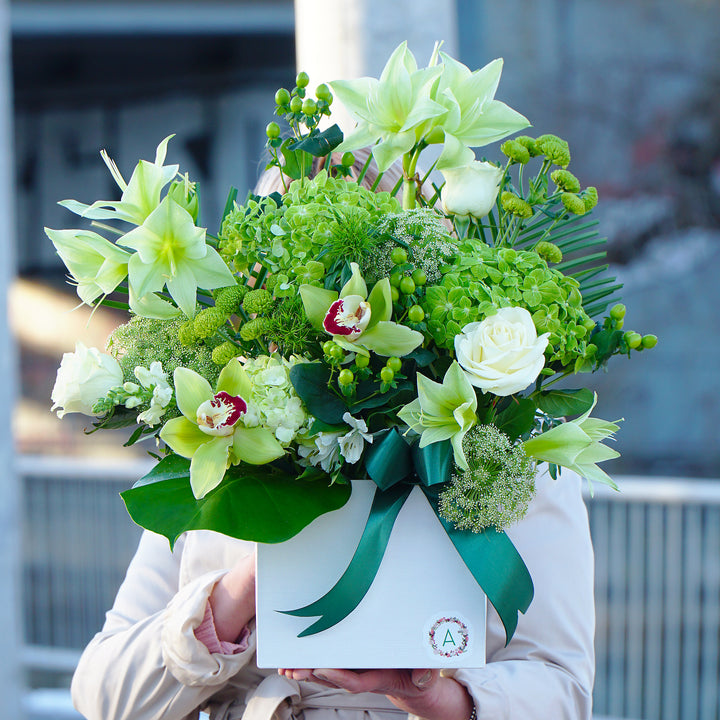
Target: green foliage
x=281, y=506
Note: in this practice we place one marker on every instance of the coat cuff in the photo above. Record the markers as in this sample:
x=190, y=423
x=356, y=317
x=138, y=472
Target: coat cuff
x=186, y=657
x=486, y=692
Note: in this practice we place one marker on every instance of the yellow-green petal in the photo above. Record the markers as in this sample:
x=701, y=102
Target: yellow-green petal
x=234, y=380
x=208, y=465
x=256, y=446
x=183, y=436
x=191, y=391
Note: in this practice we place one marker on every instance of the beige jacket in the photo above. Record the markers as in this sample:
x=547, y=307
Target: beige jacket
x=146, y=663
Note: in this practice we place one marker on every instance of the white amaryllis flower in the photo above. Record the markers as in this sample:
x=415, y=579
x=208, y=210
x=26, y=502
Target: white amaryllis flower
x=351, y=444
x=502, y=354
x=471, y=190
x=84, y=377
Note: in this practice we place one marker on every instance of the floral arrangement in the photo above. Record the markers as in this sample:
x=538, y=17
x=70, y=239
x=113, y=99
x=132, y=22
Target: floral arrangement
x=408, y=333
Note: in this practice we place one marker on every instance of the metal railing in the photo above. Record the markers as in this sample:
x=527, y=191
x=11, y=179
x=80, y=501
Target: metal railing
x=657, y=554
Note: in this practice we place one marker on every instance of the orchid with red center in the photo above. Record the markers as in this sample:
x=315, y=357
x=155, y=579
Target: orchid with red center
x=210, y=431
x=358, y=321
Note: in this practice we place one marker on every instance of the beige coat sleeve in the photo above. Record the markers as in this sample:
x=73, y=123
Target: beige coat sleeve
x=547, y=670
x=146, y=662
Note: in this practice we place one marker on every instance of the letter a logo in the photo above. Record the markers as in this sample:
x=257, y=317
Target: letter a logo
x=449, y=639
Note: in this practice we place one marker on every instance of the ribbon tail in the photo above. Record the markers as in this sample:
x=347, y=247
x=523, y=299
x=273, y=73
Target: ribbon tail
x=351, y=588
x=496, y=566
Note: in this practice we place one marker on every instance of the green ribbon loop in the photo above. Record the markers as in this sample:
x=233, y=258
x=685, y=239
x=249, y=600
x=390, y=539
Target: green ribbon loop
x=496, y=566
x=489, y=555
x=388, y=460
x=352, y=587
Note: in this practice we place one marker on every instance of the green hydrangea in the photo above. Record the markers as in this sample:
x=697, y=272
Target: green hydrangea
x=497, y=488
x=483, y=278
x=307, y=226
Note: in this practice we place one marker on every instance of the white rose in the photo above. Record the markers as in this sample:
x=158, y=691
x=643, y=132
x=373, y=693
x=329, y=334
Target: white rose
x=471, y=190
x=502, y=354
x=84, y=377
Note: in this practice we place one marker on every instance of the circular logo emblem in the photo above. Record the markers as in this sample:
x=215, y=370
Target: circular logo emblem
x=449, y=637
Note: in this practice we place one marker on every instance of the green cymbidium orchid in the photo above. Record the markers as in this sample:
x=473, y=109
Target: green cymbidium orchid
x=211, y=432
x=358, y=322
x=577, y=445
x=443, y=411
x=96, y=265
x=139, y=197
x=390, y=109
x=172, y=252
x=473, y=118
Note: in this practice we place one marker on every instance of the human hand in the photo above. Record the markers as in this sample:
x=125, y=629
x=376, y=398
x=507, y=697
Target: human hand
x=233, y=599
x=420, y=692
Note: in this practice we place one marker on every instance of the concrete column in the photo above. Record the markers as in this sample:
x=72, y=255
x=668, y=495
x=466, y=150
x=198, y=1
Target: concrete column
x=10, y=625
x=354, y=38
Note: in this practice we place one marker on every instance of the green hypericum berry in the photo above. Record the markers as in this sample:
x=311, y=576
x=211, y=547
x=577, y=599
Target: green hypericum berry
x=398, y=256
x=362, y=361
x=649, y=341
x=257, y=301
x=590, y=198
x=387, y=374
x=345, y=377
x=419, y=276
x=323, y=93
x=515, y=151
x=309, y=106
x=395, y=279
x=337, y=353
x=617, y=312
x=347, y=160
x=394, y=363
x=296, y=104
x=224, y=353
x=302, y=79
x=272, y=130
x=416, y=314
x=327, y=346
x=407, y=286
x=282, y=97
x=574, y=203
x=565, y=180
x=513, y=204
x=633, y=339
x=549, y=251
x=394, y=293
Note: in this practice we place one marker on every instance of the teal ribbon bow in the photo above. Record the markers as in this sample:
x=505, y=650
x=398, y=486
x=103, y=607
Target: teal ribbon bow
x=489, y=555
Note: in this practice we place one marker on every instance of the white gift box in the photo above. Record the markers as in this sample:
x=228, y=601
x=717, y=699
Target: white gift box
x=423, y=610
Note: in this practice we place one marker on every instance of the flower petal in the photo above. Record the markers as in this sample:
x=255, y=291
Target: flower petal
x=191, y=391
x=256, y=446
x=208, y=465
x=182, y=436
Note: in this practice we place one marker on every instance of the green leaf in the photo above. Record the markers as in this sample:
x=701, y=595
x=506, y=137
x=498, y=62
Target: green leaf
x=607, y=342
x=422, y=357
x=320, y=144
x=517, y=419
x=561, y=403
x=262, y=505
x=170, y=467
x=310, y=381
